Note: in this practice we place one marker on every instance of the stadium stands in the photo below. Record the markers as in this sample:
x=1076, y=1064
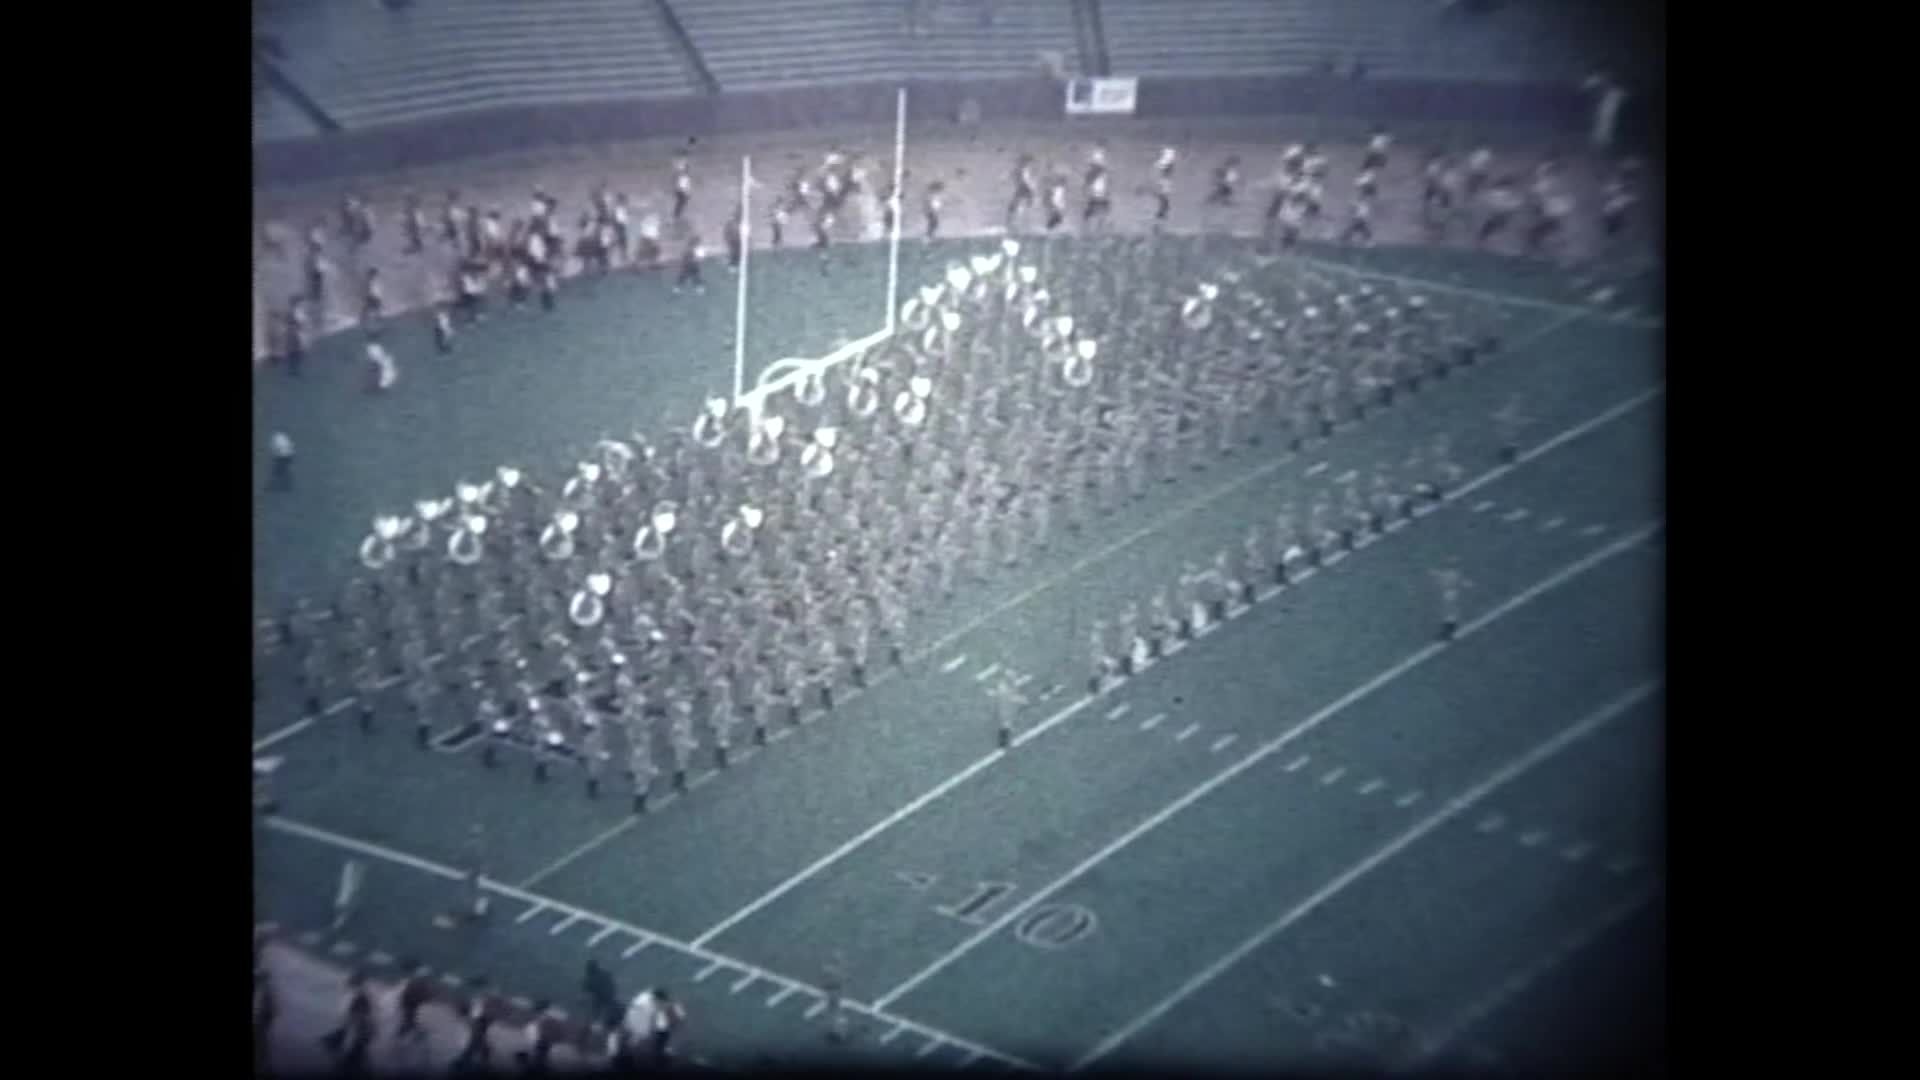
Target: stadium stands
x=367, y=65
x=1537, y=42
x=274, y=117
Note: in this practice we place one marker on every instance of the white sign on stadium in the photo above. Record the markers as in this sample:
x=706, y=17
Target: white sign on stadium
x=1101, y=97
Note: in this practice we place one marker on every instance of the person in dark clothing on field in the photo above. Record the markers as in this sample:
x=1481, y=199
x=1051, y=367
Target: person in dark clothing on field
x=350, y=1042
x=602, y=995
x=414, y=992
x=480, y=1015
x=690, y=267
x=266, y=1008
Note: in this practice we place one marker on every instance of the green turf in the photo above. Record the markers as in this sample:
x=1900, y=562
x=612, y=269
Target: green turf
x=1170, y=903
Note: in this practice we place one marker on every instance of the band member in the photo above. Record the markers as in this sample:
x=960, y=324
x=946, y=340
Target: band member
x=690, y=266
x=353, y=1038
x=319, y=273
x=453, y=224
x=1102, y=656
x=649, y=252
x=373, y=301
x=681, y=740
x=682, y=187
x=1479, y=170
x=266, y=1009
x=593, y=753
x=543, y=1032
x=443, y=329
x=382, y=370
x=734, y=237
x=1502, y=202
x=640, y=767
x=1450, y=582
x=1552, y=213
x=1377, y=146
x=1099, y=203
x=280, y=446
x=1226, y=179
x=1056, y=200
x=296, y=335
x=416, y=223
x=480, y=1014
x=549, y=288
x=1292, y=161
x=935, y=197
x=1023, y=190
x=1360, y=227
x=415, y=990
x=622, y=235
x=1434, y=197
x=1366, y=184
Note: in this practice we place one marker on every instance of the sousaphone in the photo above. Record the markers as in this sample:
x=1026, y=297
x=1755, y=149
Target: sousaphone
x=556, y=539
x=589, y=605
x=464, y=546
x=377, y=550
x=651, y=541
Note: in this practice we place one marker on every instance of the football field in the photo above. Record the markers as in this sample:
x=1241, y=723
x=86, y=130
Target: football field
x=1314, y=834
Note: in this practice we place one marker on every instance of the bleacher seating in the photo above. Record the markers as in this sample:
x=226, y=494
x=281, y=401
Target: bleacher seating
x=1539, y=40
x=367, y=65
x=274, y=117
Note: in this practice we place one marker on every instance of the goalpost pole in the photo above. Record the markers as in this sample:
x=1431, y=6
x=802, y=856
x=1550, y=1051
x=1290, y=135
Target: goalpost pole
x=740, y=302
x=899, y=208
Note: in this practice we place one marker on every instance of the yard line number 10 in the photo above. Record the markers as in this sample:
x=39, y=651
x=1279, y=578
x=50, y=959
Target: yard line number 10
x=1049, y=926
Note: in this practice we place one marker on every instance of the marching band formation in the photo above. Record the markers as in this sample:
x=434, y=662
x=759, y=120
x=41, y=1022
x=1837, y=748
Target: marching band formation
x=667, y=600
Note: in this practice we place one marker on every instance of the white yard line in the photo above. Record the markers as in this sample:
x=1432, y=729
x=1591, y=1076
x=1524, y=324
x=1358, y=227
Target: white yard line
x=566, y=860
x=287, y=732
x=427, y=866
x=1451, y=809
x=1366, y=689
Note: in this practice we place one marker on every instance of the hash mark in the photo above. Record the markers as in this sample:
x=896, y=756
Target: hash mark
x=954, y=664
x=1334, y=774
x=1183, y=736
x=1299, y=763
x=636, y=947
x=987, y=672
x=1120, y=710
x=708, y=970
x=1372, y=786
x=1223, y=742
x=1152, y=722
x=1407, y=800
x=1491, y=823
x=1533, y=838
